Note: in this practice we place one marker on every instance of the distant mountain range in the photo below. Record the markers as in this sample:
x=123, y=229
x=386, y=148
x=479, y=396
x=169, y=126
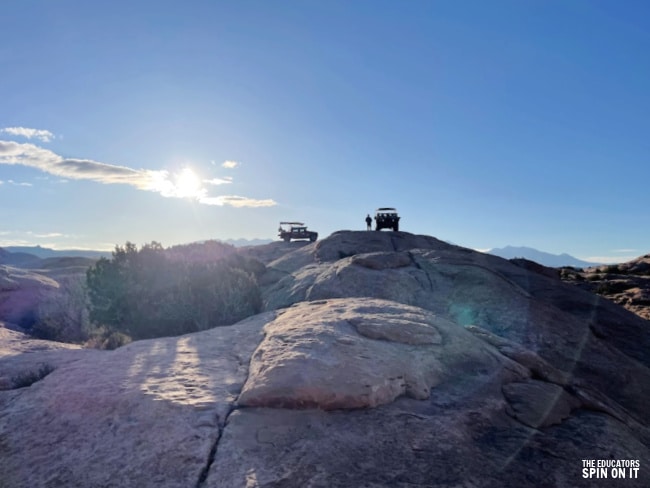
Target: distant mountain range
x=18, y=259
x=44, y=252
x=248, y=242
x=541, y=257
x=22, y=255
x=25, y=254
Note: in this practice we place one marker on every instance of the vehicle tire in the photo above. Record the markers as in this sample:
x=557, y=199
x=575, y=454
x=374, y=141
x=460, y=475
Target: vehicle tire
x=396, y=227
x=312, y=238
x=286, y=238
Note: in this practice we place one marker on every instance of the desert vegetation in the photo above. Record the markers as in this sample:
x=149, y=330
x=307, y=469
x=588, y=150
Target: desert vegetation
x=64, y=316
x=151, y=292
x=30, y=377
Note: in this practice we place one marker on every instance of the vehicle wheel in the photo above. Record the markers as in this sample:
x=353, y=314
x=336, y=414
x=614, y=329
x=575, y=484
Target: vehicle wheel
x=287, y=238
x=396, y=227
x=312, y=238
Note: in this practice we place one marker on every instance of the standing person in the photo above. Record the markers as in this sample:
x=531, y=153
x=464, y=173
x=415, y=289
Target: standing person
x=368, y=222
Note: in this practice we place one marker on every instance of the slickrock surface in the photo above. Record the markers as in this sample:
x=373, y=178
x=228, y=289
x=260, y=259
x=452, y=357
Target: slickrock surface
x=384, y=359
x=147, y=414
x=355, y=353
x=21, y=291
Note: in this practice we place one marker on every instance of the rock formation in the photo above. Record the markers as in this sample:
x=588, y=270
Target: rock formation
x=21, y=291
x=627, y=284
x=383, y=359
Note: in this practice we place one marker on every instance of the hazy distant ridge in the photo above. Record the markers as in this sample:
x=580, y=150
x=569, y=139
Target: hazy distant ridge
x=247, y=242
x=44, y=252
x=508, y=252
x=541, y=257
x=17, y=258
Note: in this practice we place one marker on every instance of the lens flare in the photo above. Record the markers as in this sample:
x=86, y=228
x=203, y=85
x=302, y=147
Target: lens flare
x=188, y=184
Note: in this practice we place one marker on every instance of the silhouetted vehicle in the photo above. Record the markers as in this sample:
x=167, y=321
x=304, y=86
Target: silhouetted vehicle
x=295, y=230
x=387, y=218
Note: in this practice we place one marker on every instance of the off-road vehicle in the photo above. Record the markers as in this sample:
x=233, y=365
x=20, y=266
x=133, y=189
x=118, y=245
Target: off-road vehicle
x=387, y=218
x=295, y=230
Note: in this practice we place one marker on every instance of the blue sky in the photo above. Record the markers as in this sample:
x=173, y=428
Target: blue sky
x=519, y=122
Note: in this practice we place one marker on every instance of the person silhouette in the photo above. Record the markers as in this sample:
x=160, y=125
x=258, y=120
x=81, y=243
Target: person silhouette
x=368, y=222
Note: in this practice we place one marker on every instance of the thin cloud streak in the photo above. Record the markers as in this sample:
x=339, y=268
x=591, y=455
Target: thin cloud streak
x=230, y=164
x=18, y=183
x=609, y=259
x=237, y=201
x=159, y=181
x=43, y=135
x=15, y=183
x=218, y=181
x=51, y=240
x=49, y=235
x=26, y=154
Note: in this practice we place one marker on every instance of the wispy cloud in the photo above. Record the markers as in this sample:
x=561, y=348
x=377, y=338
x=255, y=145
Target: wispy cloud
x=178, y=185
x=16, y=183
x=230, y=164
x=609, y=259
x=617, y=256
x=218, y=181
x=79, y=169
x=237, y=201
x=47, y=235
x=30, y=238
x=42, y=135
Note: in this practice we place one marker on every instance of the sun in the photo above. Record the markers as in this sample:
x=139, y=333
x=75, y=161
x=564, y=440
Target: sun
x=188, y=184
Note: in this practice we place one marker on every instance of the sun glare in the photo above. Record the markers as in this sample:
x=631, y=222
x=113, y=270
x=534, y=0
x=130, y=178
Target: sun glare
x=188, y=184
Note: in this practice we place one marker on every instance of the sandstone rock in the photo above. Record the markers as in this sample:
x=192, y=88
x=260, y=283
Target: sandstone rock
x=355, y=353
x=544, y=315
x=627, y=284
x=21, y=291
x=396, y=360
x=22, y=357
x=14, y=343
x=539, y=404
x=271, y=252
x=382, y=260
x=538, y=367
x=404, y=445
x=147, y=414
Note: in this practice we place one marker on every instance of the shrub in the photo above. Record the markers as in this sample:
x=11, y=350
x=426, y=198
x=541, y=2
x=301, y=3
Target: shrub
x=613, y=286
x=64, y=316
x=612, y=269
x=603, y=288
x=343, y=254
x=105, y=338
x=28, y=378
x=569, y=273
x=219, y=295
x=152, y=292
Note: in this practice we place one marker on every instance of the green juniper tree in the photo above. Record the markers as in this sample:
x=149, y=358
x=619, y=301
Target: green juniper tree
x=152, y=292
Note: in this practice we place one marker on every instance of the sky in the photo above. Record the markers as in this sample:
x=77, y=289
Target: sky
x=486, y=124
